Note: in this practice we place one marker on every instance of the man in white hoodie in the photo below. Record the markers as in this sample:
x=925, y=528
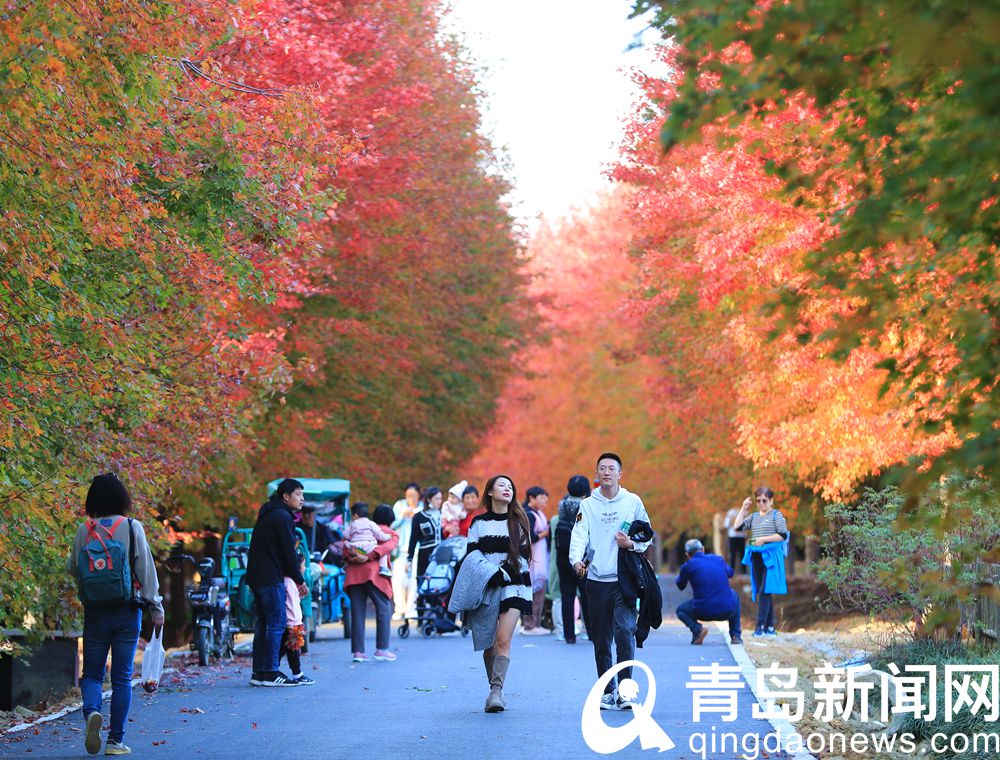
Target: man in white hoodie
x=602, y=524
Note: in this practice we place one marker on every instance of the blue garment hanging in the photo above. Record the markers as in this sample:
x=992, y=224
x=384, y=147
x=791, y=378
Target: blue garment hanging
x=773, y=555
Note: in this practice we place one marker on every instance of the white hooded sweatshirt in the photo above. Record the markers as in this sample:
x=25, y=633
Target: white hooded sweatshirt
x=597, y=522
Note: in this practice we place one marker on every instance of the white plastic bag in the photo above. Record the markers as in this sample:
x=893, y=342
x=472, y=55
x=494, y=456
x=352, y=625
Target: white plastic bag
x=152, y=661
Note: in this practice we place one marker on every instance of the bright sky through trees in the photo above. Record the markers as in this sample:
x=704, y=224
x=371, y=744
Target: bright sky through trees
x=557, y=89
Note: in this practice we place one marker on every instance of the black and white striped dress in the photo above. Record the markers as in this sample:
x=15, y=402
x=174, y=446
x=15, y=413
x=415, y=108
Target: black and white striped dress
x=488, y=533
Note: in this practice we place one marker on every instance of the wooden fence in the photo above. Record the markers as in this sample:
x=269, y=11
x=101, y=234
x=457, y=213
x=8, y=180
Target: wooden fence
x=983, y=615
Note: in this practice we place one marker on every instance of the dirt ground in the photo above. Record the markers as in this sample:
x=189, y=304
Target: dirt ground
x=833, y=642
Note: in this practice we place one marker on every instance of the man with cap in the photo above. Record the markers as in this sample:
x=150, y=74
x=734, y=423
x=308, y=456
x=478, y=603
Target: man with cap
x=713, y=598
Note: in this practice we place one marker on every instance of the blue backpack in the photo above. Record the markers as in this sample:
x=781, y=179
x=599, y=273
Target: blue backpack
x=104, y=566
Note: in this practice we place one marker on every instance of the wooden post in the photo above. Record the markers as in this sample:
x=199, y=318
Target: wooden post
x=812, y=554
x=720, y=539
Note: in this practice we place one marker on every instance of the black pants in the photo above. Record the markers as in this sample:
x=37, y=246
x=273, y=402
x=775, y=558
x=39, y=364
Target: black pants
x=359, y=594
x=765, y=604
x=423, y=560
x=737, y=545
x=292, y=655
x=611, y=619
x=571, y=585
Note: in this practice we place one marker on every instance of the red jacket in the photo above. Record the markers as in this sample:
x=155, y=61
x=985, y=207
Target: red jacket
x=358, y=573
x=463, y=527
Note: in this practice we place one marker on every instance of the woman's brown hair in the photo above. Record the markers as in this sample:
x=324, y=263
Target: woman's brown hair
x=517, y=521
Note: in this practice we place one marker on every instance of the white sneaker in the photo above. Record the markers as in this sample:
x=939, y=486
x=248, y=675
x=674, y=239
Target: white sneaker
x=116, y=748
x=609, y=702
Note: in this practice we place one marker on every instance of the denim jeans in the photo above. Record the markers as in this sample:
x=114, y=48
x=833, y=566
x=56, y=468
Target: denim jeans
x=270, y=625
x=691, y=615
x=115, y=629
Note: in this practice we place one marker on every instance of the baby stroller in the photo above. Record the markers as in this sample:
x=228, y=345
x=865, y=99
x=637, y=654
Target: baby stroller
x=434, y=589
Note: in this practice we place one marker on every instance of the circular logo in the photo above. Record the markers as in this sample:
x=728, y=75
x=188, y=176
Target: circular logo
x=100, y=564
x=606, y=739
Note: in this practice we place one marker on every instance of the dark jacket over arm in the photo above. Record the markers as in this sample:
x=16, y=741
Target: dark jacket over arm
x=637, y=580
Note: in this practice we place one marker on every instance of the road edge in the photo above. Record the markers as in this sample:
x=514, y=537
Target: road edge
x=782, y=726
x=68, y=709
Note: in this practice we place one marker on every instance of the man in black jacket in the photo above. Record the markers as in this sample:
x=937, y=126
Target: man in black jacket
x=272, y=557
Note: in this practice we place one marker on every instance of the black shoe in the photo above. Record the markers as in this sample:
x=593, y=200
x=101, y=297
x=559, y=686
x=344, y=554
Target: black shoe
x=255, y=678
x=571, y=641
x=303, y=680
x=735, y=640
x=277, y=678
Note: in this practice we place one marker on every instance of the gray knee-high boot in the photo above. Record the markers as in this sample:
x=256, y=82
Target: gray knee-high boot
x=488, y=662
x=495, y=701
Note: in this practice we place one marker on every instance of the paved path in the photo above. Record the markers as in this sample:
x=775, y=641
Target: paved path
x=428, y=704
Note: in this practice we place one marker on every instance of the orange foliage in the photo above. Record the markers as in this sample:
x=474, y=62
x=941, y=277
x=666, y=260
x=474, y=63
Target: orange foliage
x=588, y=389
x=716, y=238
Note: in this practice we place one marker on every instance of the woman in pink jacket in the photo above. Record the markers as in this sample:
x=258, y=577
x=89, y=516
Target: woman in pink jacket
x=363, y=582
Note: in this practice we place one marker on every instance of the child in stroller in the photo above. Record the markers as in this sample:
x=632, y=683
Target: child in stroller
x=434, y=590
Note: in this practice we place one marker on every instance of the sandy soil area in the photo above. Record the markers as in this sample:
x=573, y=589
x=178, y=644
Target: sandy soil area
x=838, y=642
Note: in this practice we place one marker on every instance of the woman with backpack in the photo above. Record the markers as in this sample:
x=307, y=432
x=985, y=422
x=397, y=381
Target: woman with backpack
x=570, y=584
x=116, y=578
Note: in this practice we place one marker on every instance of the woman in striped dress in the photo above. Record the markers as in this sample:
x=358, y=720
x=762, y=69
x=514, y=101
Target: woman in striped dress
x=503, y=536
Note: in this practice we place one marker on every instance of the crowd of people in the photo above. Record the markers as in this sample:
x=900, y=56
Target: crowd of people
x=424, y=518
x=587, y=558
x=517, y=556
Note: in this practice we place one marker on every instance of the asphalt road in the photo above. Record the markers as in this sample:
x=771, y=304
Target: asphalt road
x=427, y=704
